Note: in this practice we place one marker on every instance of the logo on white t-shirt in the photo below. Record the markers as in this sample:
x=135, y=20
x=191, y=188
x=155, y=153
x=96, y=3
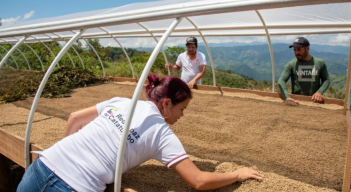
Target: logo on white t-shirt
x=119, y=122
x=197, y=62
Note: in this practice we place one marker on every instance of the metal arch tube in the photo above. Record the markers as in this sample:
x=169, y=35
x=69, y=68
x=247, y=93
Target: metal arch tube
x=25, y=58
x=42, y=66
x=103, y=69
x=124, y=51
x=177, y=10
x=120, y=154
x=52, y=53
x=270, y=48
x=61, y=48
x=38, y=94
x=81, y=61
x=164, y=55
x=3, y=57
x=208, y=50
x=11, y=50
x=10, y=55
x=68, y=56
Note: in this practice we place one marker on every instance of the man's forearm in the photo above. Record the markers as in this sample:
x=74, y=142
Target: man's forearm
x=198, y=76
x=283, y=90
x=324, y=86
x=175, y=68
x=325, y=80
x=284, y=77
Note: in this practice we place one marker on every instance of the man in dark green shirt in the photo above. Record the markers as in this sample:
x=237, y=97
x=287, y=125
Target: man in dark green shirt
x=309, y=74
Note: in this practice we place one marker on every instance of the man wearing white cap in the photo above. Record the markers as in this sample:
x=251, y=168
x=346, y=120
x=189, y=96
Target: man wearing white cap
x=193, y=63
x=309, y=74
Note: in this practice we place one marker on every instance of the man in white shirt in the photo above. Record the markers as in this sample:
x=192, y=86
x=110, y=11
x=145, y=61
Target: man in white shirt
x=193, y=63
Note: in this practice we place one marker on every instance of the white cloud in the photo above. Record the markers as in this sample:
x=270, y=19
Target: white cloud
x=28, y=15
x=18, y=19
x=9, y=21
x=337, y=39
x=324, y=39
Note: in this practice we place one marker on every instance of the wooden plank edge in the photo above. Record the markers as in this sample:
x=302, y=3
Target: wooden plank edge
x=12, y=146
x=346, y=185
x=233, y=90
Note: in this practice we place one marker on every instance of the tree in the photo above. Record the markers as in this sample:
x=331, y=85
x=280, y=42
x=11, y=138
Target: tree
x=173, y=53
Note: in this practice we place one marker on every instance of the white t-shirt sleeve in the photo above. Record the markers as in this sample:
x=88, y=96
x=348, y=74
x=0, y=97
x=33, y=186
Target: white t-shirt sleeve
x=203, y=59
x=170, y=150
x=179, y=60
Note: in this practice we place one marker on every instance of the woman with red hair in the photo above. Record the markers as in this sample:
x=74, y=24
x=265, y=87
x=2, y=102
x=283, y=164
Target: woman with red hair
x=85, y=160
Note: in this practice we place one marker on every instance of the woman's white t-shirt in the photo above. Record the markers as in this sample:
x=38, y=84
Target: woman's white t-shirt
x=86, y=160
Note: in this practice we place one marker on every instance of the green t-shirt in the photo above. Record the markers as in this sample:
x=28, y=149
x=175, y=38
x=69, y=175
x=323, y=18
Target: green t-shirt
x=307, y=77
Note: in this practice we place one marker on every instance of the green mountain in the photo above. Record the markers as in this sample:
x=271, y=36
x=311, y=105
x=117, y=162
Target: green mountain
x=257, y=57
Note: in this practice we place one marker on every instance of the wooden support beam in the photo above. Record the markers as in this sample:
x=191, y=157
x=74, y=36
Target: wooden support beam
x=235, y=90
x=347, y=171
x=347, y=91
x=12, y=147
x=207, y=88
x=261, y=93
x=122, y=79
x=278, y=95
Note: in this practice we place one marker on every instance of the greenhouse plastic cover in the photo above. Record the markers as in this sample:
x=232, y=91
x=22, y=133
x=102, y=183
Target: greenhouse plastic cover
x=211, y=18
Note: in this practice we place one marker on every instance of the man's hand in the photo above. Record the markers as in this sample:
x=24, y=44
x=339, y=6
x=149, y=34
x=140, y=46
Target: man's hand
x=191, y=83
x=170, y=66
x=317, y=97
x=291, y=101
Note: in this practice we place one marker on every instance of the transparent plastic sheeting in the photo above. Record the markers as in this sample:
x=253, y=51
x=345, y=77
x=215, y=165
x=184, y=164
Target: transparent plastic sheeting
x=230, y=18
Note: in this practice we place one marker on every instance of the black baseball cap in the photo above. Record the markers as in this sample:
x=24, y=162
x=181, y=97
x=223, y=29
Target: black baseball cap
x=191, y=40
x=300, y=42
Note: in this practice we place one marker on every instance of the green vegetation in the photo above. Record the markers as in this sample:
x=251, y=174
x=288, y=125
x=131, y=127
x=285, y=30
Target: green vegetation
x=19, y=84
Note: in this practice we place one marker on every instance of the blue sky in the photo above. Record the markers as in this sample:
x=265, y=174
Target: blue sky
x=25, y=10
x=16, y=11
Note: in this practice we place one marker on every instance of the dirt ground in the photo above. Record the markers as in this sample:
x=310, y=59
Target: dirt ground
x=297, y=148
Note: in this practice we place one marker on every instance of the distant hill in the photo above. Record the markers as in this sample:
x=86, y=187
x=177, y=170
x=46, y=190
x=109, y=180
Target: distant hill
x=254, y=60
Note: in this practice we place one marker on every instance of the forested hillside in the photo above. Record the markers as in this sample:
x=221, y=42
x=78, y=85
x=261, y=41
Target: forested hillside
x=247, y=67
x=254, y=60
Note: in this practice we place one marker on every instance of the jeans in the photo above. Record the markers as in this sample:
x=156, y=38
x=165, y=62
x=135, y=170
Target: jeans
x=38, y=177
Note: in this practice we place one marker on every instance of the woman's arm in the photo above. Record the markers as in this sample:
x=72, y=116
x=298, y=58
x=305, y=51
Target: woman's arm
x=201, y=180
x=80, y=118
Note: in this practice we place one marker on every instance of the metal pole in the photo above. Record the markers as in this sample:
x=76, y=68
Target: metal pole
x=102, y=66
x=164, y=55
x=11, y=50
x=122, y=146
x=38, y=94
x=25, y=58
x=80, y=59
x=3, y=57
x=270, y=48
x=11, y=56
x=208, y=51
x=125, y=53
x=52, y=53
x=68, y=56
x=42, y=66
x=189, y=8
x=347, y=87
